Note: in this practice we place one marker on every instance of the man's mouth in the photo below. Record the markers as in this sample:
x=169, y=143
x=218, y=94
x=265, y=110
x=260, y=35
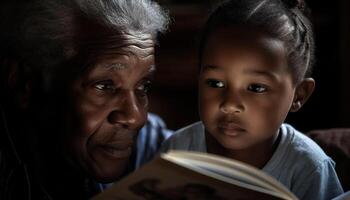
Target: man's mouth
x=117, y=150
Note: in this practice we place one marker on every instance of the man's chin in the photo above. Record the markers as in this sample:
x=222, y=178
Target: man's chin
x=109, y=178
x=110, y=173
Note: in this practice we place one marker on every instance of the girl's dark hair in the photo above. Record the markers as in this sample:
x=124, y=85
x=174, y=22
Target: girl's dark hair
x=282, y=19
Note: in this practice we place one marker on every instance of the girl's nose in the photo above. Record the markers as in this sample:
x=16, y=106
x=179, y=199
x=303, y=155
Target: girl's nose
x=232, y=103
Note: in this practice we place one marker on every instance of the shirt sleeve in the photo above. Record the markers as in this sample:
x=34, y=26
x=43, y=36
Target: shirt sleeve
x=321, y=184
x=150, y=138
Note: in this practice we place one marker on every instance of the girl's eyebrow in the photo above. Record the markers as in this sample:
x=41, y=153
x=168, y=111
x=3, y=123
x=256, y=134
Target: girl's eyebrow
x=256, y=72
x=211, y=67
x=264, y=73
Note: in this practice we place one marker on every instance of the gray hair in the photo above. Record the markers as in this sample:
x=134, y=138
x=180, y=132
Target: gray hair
x=138, y=15
x=45, y=34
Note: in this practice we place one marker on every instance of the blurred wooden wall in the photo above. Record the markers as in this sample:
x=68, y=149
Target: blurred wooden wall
x=174, y=94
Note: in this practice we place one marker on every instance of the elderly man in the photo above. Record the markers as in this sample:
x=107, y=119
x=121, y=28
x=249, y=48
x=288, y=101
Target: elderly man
x=74, y=82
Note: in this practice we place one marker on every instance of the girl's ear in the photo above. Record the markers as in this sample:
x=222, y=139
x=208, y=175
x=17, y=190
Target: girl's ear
x=302, y=93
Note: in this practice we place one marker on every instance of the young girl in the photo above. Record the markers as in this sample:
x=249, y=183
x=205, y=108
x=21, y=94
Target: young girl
x=255, y=61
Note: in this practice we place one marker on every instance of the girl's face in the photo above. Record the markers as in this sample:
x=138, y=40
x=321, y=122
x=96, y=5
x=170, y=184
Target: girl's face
x=245, y=88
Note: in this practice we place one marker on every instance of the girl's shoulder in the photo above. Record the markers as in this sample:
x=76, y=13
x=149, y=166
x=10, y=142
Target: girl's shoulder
x=190, y=137
x=302, y=146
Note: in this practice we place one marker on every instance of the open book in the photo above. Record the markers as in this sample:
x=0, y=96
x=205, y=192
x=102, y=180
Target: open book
x=194, y=175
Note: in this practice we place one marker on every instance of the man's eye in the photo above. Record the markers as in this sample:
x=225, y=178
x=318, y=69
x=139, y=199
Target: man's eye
x=145, y=87
x=215, y=83
x=257, y=88
x=105, y=85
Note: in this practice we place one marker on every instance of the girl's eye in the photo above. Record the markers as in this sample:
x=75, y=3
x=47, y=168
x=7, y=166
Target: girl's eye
x=105, y=85
x=215, y=83
x=145, y=87
x=257, y=88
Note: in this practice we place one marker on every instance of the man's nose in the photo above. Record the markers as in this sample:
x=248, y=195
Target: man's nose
x=127, y=111
x=232, y=103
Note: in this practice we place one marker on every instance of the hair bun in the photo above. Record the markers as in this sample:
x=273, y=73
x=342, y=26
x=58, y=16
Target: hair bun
x=294, y=4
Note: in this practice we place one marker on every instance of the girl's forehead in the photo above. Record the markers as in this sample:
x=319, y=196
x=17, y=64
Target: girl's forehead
x=242, y=45
x=245, y=38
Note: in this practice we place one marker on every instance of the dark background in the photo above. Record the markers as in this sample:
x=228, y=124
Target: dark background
x=174, y=94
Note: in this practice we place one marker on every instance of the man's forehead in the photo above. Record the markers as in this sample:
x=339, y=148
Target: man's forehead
x=125, y=43
x=139, y=44
x=116, y=66
x=123, y=60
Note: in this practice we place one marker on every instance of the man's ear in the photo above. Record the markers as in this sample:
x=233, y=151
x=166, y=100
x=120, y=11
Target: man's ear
x=302, y=93
x=17, y=82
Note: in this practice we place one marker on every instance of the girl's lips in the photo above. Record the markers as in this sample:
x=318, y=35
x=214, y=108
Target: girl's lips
x=230, y=129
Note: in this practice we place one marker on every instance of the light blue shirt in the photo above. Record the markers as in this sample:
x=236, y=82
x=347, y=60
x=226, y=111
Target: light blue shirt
x=298, y=162
x=148, y=143
x=150, y=139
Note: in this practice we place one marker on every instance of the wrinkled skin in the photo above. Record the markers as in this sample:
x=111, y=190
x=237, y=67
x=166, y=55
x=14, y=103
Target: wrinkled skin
x=108, y=107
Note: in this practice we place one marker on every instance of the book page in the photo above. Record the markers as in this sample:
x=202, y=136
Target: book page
x=232, y=176
x=164, y=180
x=231, y=168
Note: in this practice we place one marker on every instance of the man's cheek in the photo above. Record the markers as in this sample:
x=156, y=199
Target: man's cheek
x=88, y=126
x=89, y=119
